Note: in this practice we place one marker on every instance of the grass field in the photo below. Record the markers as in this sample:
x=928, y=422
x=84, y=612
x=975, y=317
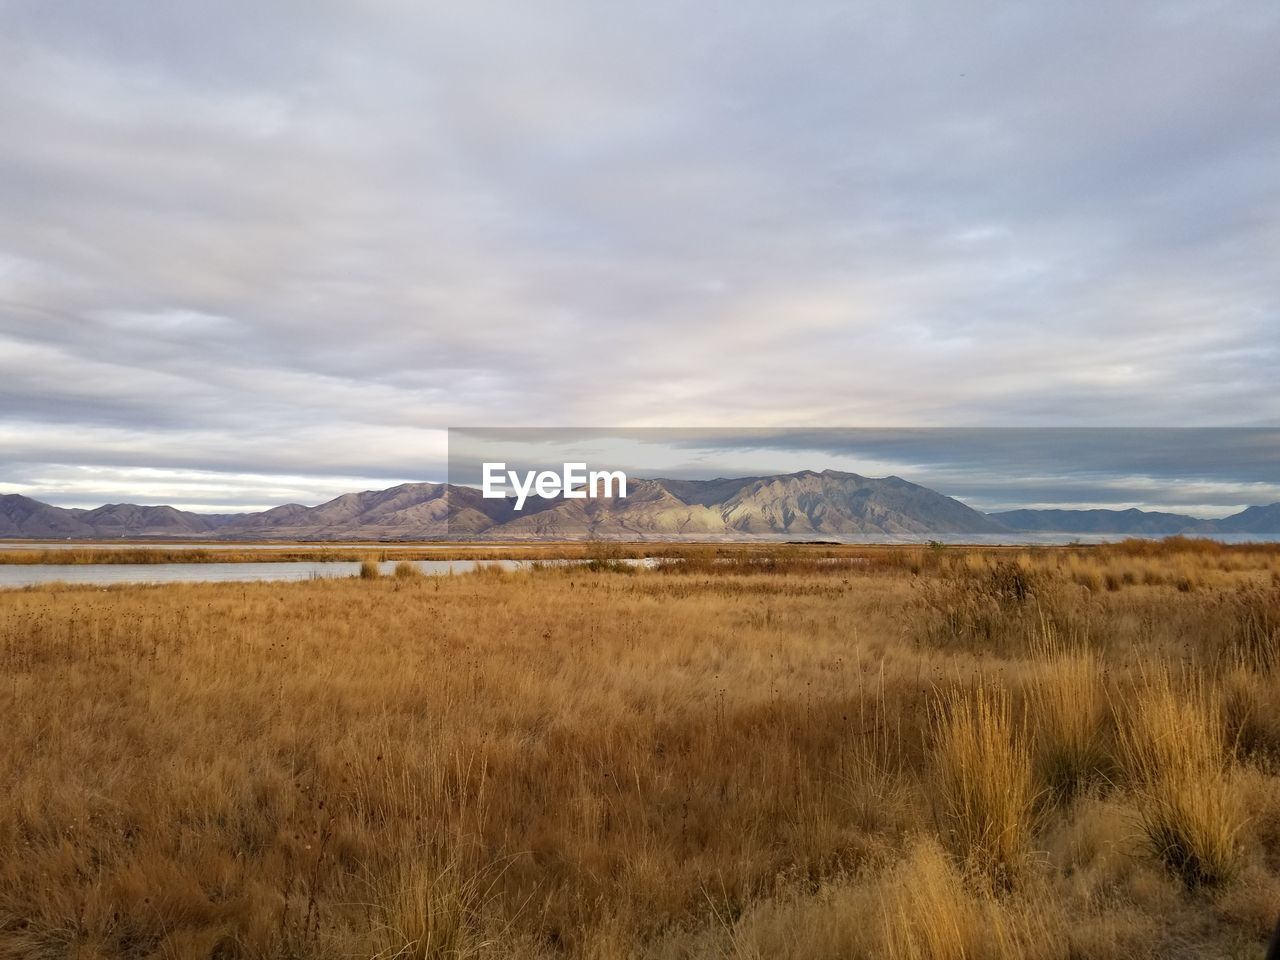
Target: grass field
x=783, y=753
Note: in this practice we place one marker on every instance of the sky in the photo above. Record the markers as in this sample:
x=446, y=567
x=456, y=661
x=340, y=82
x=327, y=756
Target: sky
x=255, y=253
x=1206, y=472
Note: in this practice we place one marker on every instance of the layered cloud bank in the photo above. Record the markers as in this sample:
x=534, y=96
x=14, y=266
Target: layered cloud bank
x=278, y=248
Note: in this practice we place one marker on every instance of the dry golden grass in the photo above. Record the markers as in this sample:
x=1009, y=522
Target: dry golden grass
x=983, y=782
x=1173, y=751
x=779, y=757
x=1068, y=704
x=405, y=570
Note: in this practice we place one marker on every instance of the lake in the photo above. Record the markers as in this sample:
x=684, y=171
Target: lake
x=105, y=574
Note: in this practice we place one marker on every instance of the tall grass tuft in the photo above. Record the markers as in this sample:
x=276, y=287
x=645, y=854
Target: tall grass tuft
x=431, y=910
x=370, y=570
x=982, y=604
x=1253, y=616
x=1068, y=708
x=983, y=782
x=407, y=570
x=1175, y=756
x=928, y=913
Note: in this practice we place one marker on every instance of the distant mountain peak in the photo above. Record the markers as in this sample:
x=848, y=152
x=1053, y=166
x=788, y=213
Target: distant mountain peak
x=806, y=504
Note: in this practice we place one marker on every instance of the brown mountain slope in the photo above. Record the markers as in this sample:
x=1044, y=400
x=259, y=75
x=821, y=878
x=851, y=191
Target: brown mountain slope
x=23, y=517
x=798, y=505
x=804, y=505
x=833, y=503
x=124, y=519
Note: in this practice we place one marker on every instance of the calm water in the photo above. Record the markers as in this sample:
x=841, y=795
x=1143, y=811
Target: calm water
x=26, y=575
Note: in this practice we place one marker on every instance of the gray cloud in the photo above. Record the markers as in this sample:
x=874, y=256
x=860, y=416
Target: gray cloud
x=1208, y=471
x=299, y=239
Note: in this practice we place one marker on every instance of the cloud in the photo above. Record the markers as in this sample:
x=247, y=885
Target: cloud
x=303, y=238
x=1208, y=472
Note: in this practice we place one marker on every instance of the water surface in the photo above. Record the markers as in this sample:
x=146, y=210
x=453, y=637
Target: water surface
x=105, y=574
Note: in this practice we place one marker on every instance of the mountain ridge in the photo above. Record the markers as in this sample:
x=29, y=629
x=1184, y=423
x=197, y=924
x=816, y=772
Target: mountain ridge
x=1131, y=521
x=806, y=504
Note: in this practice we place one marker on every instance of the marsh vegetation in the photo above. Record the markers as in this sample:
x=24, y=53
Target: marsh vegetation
x=784, y=753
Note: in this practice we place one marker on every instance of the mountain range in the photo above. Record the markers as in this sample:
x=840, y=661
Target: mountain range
x=805, y=505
